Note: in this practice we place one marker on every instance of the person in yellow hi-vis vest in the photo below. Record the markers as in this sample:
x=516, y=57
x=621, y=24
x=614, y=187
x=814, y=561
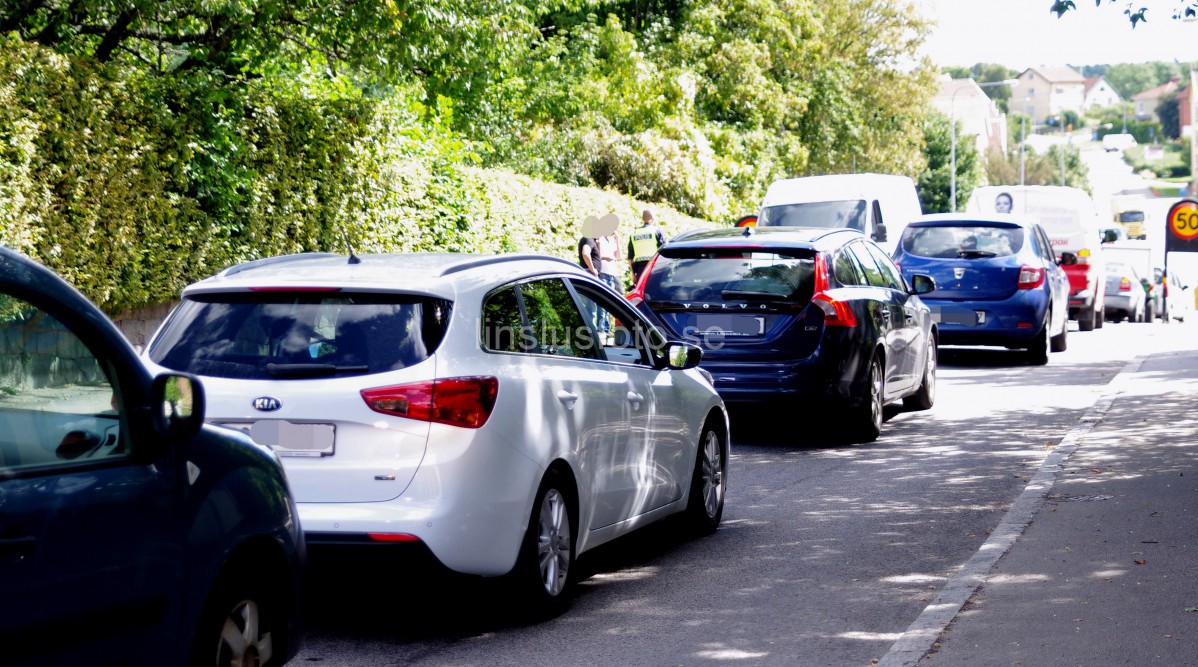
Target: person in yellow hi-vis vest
x=643, y=243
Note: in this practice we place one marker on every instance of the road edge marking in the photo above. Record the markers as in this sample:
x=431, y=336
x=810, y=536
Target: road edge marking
x=918, y=638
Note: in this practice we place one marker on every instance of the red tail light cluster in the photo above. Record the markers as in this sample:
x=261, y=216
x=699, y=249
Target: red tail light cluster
x=637, y=296
x=1030, y=277
x=462, y=401
x=836, y=313
x=1124, y=285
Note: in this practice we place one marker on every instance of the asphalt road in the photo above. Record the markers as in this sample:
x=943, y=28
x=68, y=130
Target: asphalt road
x=827, y=553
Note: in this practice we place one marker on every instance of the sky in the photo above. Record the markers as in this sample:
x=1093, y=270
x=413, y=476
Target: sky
x=1024, y=33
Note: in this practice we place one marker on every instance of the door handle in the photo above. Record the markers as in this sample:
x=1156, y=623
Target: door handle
x=567, y=398
x=635, y=399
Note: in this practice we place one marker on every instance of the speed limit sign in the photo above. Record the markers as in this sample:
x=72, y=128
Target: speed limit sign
x=1183, y=227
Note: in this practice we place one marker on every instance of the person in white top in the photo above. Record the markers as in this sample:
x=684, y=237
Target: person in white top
x=609, y=262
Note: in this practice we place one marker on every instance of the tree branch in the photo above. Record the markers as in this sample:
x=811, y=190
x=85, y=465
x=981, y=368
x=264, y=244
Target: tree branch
x=115, y=35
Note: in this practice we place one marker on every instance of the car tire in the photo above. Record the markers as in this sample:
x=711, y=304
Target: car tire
x=242, y=624
x=705, y=506
x=1059, y=342
x=543, y=575
x=1088, y=319
x=866, y=418
x=925, y=396
x=1037, y=352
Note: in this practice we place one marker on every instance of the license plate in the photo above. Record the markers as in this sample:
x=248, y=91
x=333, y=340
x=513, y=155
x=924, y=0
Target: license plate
x=288, y=439
x=737, y=325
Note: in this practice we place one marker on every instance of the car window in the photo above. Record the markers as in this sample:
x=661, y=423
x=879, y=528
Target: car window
x=286, y=334
x=628, y=336
x=503, y=325
x=732, y=274
x=962, y=240
x=873, y=276
x=1045, y=246
x=890, y=273
x=554, y=324
x=846, y=269
x=57, y=405
x=848, y=214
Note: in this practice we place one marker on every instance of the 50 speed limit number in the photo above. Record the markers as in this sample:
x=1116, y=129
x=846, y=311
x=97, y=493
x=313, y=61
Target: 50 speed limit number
x=1183, y=219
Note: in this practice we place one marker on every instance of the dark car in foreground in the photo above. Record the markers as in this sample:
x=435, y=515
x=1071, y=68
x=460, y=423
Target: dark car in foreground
x=130, y=533
x=809, y=317
x=997, y=280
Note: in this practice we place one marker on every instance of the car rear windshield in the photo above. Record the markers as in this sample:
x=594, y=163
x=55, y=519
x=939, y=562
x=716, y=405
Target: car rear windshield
x=734, y=274
x=848, y=214
x=298, y=335
x=962, y=241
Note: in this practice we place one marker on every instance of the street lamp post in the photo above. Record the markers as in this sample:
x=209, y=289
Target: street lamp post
x=952, y=144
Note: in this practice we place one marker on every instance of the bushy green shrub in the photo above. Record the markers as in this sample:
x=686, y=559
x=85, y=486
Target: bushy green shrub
x=131, y=186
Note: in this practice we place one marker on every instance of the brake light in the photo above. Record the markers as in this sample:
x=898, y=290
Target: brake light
x=392, y=537
x=637, y=296
x=1030, y=277
x=463, y=401
x=295, y=289
x=1124, y=285
x=836, y=313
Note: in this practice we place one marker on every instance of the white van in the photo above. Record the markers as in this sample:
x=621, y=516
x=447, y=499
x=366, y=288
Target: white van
x=877, y=205
x=1069, y=216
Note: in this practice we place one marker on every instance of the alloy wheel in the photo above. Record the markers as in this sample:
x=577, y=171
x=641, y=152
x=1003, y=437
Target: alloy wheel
x=553, y=542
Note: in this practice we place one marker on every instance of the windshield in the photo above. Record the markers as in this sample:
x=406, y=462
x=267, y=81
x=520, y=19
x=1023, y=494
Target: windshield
x=962, y=241
x=273, y=335
x=731, y=275
x=848, y=214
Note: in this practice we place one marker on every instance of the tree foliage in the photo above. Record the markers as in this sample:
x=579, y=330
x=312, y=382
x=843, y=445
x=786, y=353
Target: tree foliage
x=1136, y=12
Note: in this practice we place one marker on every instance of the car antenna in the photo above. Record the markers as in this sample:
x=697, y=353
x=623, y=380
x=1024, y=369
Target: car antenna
x=353, y=259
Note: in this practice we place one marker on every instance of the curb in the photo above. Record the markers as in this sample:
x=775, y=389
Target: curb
x=919, y=637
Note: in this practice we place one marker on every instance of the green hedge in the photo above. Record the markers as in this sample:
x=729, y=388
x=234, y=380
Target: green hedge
x=132, y=186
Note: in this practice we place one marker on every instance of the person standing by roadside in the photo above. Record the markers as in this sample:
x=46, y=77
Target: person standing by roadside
x=588, y=247
x=609, y=261
x=643, y=243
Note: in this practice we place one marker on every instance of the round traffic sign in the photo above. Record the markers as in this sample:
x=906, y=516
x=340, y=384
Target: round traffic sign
x=1183, y=219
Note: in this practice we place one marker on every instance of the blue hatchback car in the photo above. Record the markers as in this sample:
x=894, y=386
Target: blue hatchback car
x=997, y=280
x=130, y=533
x=808, y=316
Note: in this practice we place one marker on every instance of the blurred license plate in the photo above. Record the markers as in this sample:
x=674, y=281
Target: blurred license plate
x=738, y=325
x=288, y=439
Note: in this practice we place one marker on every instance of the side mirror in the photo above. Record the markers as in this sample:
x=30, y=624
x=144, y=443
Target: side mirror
x=880, y=233
x=681, y=356
x=922, y=284
x=1067, y=259
x=177, y=402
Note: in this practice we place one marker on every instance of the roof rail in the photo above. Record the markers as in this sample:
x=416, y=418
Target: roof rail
x=280, y=259
x=499, y=259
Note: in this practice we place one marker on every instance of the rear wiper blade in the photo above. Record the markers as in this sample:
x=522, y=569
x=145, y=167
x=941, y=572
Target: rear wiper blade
x=752, y=296
x=312, y=370
x=966, y=254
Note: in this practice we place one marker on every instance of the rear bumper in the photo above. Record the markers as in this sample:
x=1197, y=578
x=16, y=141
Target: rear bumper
x=818, y=378
x=1013, y=321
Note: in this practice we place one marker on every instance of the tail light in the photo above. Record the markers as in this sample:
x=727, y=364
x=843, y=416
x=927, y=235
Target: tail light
x=837, y=313
x=1124, y=285
x=1083, y=256
x=1030, y=277
x=462, y=401
x=637, y=296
